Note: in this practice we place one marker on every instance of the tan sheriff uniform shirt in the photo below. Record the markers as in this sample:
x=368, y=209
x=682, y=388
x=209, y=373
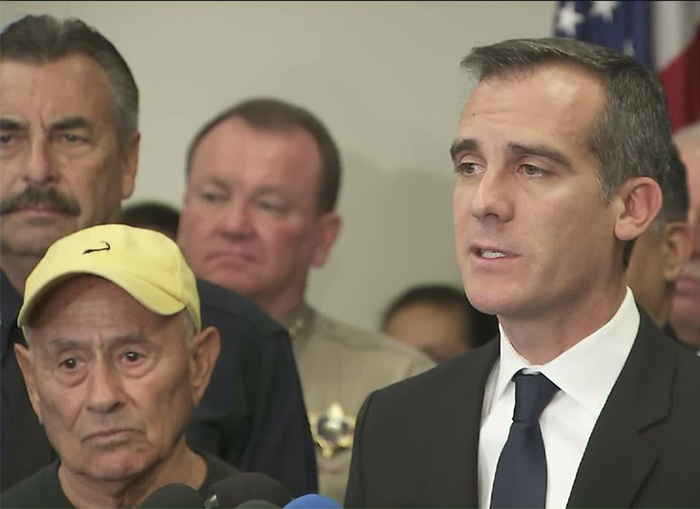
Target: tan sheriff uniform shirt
x=339, y=365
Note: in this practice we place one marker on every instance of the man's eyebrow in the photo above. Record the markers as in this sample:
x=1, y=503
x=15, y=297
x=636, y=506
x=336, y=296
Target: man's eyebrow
x=67, y=123
x=540, y=151
x=464, y=145
x=61, y=344
x=10, y=124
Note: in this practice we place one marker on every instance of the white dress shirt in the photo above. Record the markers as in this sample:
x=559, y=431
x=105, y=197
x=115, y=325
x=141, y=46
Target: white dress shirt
x=585, y=374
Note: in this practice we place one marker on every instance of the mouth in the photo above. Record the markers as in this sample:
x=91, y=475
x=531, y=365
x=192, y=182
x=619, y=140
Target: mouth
x=490, y=253
x=108, y=434
x=232, y=256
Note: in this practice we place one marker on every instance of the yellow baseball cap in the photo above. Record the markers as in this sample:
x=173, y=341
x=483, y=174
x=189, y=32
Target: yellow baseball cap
x=144, y=263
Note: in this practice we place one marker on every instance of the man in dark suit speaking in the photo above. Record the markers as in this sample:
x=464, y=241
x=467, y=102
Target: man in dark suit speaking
x=581, y=401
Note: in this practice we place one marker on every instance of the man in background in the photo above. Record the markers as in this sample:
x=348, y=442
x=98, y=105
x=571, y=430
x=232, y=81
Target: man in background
x=661, y=253
x=69, y=146
x=259, y=212
x=116, y=359
x=438, y=320
x=685, y=314
x=153, y=215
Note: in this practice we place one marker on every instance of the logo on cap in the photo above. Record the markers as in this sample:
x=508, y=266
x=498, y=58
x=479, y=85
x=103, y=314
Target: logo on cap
x=107, y=248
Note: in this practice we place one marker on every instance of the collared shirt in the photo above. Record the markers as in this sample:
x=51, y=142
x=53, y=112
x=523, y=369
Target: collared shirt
x=585, y=373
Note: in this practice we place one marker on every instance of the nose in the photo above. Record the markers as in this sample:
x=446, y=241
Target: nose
x=236, y=220
x=492, y=199
x=105, y=392
x=40, y=168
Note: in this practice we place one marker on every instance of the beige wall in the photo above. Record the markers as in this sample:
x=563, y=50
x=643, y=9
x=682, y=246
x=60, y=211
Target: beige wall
x=385, y=78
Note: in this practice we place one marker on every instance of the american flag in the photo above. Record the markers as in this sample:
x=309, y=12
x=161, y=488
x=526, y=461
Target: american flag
x=663, y=36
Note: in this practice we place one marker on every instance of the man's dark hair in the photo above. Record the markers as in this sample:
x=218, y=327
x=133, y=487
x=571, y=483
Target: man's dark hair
x=632, y=135
x=478, y=327
x=153, y=216
x=270, y=114
x=45, y=39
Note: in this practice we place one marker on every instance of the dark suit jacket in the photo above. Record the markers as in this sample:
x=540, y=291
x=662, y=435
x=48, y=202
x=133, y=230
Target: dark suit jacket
x=252, y=414
x=416, y=442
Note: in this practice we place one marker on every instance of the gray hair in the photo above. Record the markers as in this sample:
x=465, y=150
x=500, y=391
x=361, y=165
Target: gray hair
x=632, y=135
x=44, y=39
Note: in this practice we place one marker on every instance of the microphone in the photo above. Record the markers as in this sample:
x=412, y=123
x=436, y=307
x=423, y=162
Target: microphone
x=257, y=504
x=247, y=487
x=313, y=501
x=173, y=496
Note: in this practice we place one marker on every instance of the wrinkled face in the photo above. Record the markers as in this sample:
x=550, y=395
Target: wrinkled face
x=249, y=219
x=534, y=237
x=112, y=389
x=437, y=331
x=686, y=300
x=62, y=169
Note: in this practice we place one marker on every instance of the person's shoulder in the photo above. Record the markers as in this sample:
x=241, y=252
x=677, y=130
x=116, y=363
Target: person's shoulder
x=217, y=470
x=373, y=343
x=222, y=307
x=440, y=391
x=465, y=370
x=36, y=491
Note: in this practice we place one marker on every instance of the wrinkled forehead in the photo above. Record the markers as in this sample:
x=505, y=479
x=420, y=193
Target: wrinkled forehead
x=72, y=86
x=87, y=306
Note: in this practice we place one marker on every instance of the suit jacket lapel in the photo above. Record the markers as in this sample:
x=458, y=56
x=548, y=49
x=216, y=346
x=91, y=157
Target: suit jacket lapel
x=617, y=459
x=453, y=463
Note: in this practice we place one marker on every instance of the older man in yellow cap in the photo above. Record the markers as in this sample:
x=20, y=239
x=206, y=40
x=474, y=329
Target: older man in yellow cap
x=115, y=363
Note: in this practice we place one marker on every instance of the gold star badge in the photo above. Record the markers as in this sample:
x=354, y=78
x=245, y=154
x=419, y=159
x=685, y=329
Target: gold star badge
x=332, y=430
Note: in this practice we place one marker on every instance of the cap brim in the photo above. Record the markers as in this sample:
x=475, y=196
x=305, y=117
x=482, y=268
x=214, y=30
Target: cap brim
x=151, y=297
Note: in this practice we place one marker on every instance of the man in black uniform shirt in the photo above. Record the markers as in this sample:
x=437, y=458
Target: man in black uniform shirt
x=69, y=146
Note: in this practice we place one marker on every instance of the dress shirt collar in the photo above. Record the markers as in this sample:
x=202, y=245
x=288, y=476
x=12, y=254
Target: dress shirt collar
x=588, y=370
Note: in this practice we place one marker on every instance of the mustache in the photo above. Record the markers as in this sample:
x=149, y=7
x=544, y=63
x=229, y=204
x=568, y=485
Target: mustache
x=35, y=196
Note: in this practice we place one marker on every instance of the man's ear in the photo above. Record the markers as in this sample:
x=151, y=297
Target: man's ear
x=26, y=364
x=641, y=199
x=130, y=165
x=676, y=247
x=203, y=354
x=328, y=230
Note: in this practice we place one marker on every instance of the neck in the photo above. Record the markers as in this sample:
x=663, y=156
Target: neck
x=688, y=332
x=182, y=466
x=17, y=268
x=280, y=306
x=547, y=336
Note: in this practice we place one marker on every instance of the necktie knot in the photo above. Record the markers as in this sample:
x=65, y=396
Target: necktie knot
x=533, y=392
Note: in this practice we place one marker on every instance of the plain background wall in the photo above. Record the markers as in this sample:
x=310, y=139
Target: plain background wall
x=383, y=76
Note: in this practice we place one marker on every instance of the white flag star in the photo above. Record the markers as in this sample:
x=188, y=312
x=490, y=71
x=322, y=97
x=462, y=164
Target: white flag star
x=568, y=18
x=604, y=9
x=628, y=47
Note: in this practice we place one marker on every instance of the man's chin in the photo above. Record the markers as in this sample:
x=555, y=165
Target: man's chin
x=34, y=237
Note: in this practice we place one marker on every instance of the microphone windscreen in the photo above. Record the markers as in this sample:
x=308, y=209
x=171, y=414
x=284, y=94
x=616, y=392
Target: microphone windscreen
x=174, y=496
x=230, y=493
x=313, y=501
x=258, y=504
